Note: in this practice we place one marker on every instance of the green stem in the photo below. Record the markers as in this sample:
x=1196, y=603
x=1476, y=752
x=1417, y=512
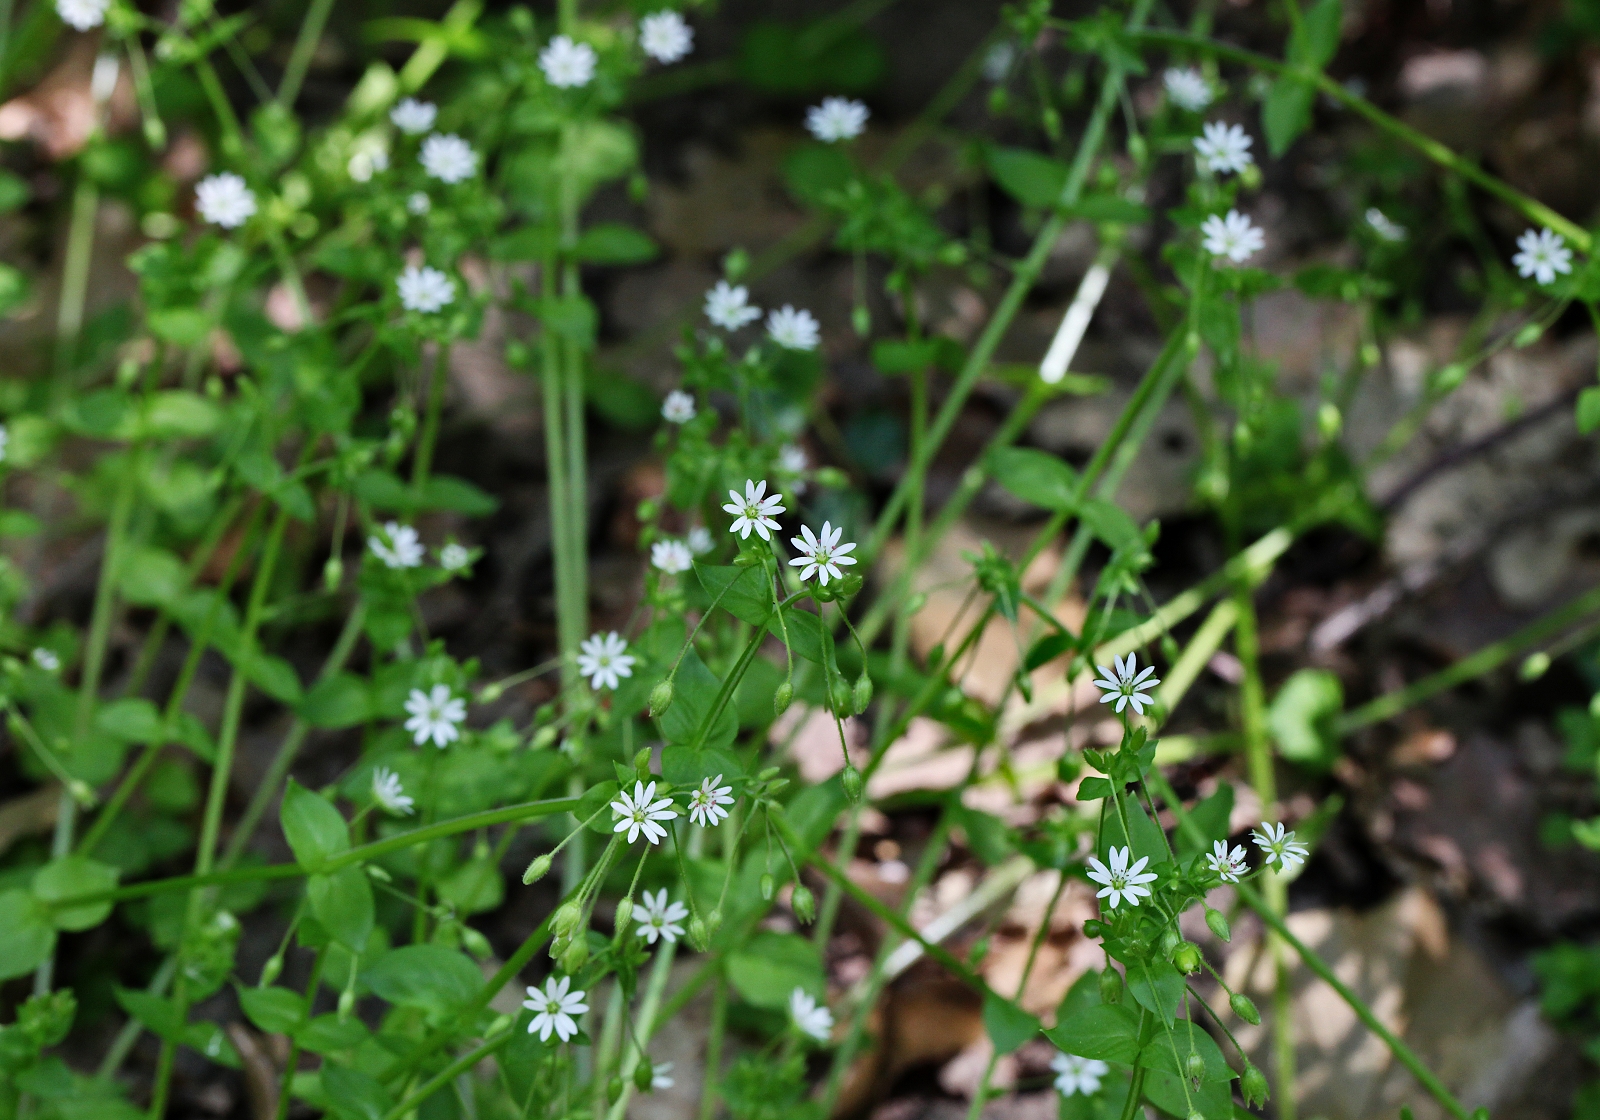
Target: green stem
x=75, y=280
x=644, y=1022
x=713, y=1069
x=305, y=45
x=449, y=1073
x=430, y=422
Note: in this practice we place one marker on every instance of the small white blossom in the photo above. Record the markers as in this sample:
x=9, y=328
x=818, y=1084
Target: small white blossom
x=837, y=118
x=448, y=158
x=1187, y=88
x=604, y=659
x=5, y=441
x=639, y=811
x=389, y=793
x=1124, y=687
x=729, y=307
x=1228, y=865
x=435, y=715
x=658, y=918
x=678, y=408
x=419, y=203
x=706, y=803
x=753, y=511
x=397, y=546
x=821, y=555
x=793, y=458
x=366, y=163
x=82, y=14
x=1542, y=255
x=1120, y=881
x=414, y=117
x=454, y=557
x=793, y=330
x=661, y=1076
x=1075, y=1075
x=700, y=540
x=1280, y=847
x=224, y=200
x=1225, y=148
x=567, y=64
x=554, y=1009
x=1385, y=228
x=1233, y=236
x=46, y=659
x=671, y=557
x=425, y=289
x=997, y=63
x=813, y=1020
x=665, y=36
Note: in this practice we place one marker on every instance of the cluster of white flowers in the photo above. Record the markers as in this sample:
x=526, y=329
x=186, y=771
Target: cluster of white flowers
x=1187, y=88
x=1542, y=255
x=1234, y=236
x=605, y=660
x=1119, y=881
x=665, y=37
x=436, y=715
x=837, y=118
x=1224, y=148
x=555, y=1009
x=1127, y=685
x=224, y=200
x=567, y=64
x=397, y=546
x=425, y=289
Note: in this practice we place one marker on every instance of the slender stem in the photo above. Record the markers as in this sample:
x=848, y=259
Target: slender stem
x=713, y=1068
x=430, y=421
x=449, y=1074
x=305, y=45
x=643, y=1025
x=75, y=280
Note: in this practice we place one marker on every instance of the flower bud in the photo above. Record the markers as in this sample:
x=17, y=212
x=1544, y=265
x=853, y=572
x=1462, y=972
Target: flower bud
x=567, y=918
x=1253, y=1085
x=660, y=698
x=624, y=914
x=1218, y=924
x=347, y=1002
x=538, y=869
x=544, y=737
x=766, y=886
x=1170, y=940
x=804, y=904
x=699, y=936
x=713, y=921
x=782, y=698
x=1093, y=928
x=332, y=573
x=1110, y=985
x=613, y=1089
x=839, y=698
x=575, y=956
x=643, y=1076
x=1196, y=1114
x=1195, y=1067
x=271, y=970
x=861, y=694
x=489, y=693
x=1186, y=958
x=476, y=943
x=852, y=782
x=1244, y=1008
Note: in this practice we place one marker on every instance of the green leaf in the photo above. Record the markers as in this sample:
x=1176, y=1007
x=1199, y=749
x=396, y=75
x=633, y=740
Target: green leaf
x=1286, y=111
x=13, y=191
x=328, y=1034
x=274, y=676
x=131, y=720
x=1037, y=477
x=274, y=1010
x=1112, y=525
x=1211, y=817
x=1319, y=40
x=68, y=876
x=445, y=491
x=529, y=243
x=772, y=965
x=26, y=935
x=311, y=824
x=1106, y=1032
x=742, y=592
x=592, y=802
x=614, y=243
x=695, y=694
x=1589, y=410
x=207, y=1037
x=1302, y=717
x=19, y=523
x=159, y=1014
x=428, y=977
x=152, y=577
x=355, y=1094
x=813, y=172
x=179, y=414
x=342, y=902
x=686, y=768
x=342, y=700
x=181, y=326
x=1093, y=789
x=1172, y=1054
x=1108, y=207
x=474, y=887
x=780, y=58
x=1051, y=646
x=1157, y=986
x=1029, y=177
x=1008, y=1025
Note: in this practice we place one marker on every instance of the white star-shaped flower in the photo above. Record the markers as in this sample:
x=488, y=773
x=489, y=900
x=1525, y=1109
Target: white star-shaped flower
x=753, y=511
x=639, y=812
x=813, y=1020
x=671, y=557
x=1124, y=687
x=435, y=715
x=706, y=803
x=665, y=37
x=700, y=540
x=1120, y=881
x=792, y=329
x=821, y=555
x=554, y=1009
x=659, y=918
x=678, y=408
x=1542, y=255
x=661, y=1076
x=1187, y=88
x=46, y=659
x=1381, y=225
x=224, y=200
x=397, y=546
x=792, y=458
x=1228, y=865
x=1234, y=236
x=425, y=289
x=837, y=118
x=454, y=557
x=729, y=307
x=413, y=117
x=567, y=64
x=448, y=158
x=82, y=14
x=389, y=793
x=604, y=659
x=1225, y=148
x=1280, y=847
x=1075, y=1075
x=418, y=203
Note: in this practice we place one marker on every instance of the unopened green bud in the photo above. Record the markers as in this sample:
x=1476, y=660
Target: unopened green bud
x=1195, y=1067
x=861, y=694
x=839, y=697
x=1094, y=928
x=271, y=970
x=613, y=1088
x=1217, y=922
x=624, y=914
x=1244, y=1008
x=1534, y=666
x=851, y=779
x=861, y=320
x=1253, y=1085
x=544, y=737
x=804, y=904
x=699, y=936
x=1186, y=958
x=1170, y=940
x=1110, y=985
x=82, y=792
x=714, y=921
x=567, y=918
x=538, y=869
x=476, y=943
x=499, y=1025
x=333, y=573
x=782, y=698
x=766, y=886
x=489, y=693
x=1196, y=1114
x=771, y=772
x=643, y=1077
x=660, y=698
x=575, y=956
x=347, y=1002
